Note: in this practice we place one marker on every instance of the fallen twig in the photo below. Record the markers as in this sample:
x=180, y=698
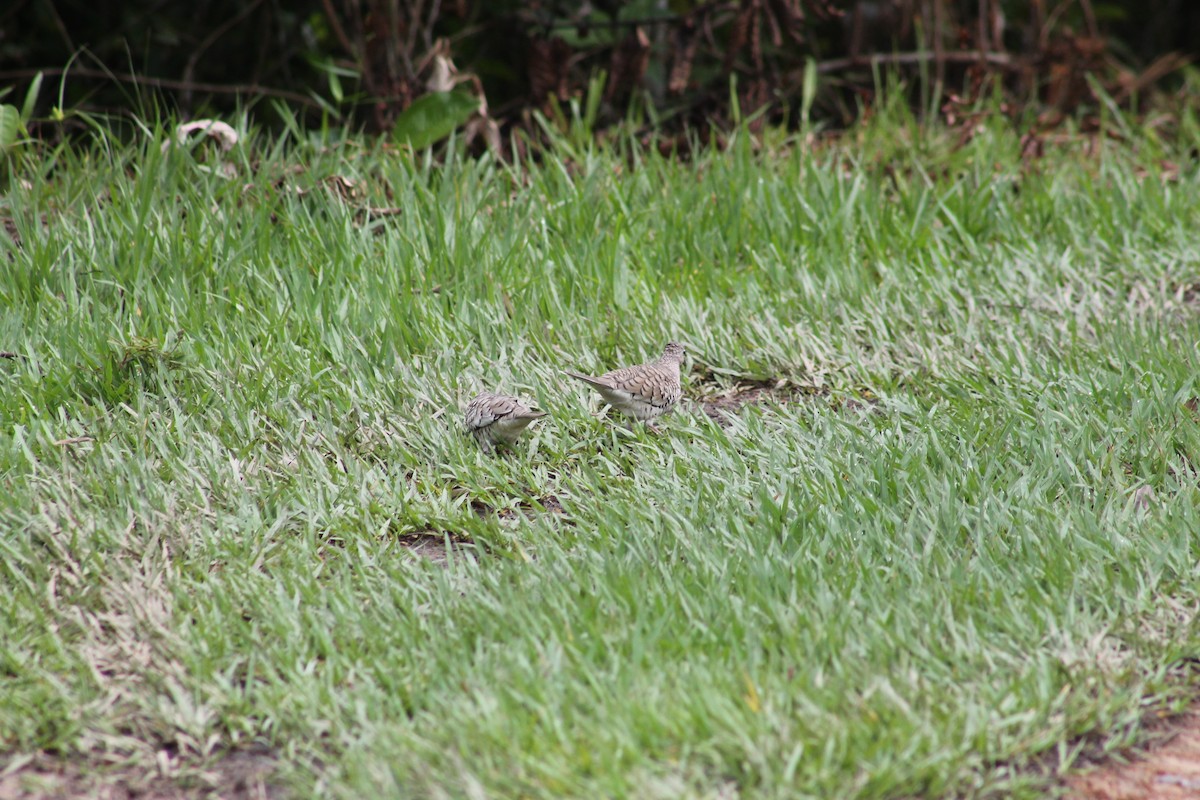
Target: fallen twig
x=1002, y=60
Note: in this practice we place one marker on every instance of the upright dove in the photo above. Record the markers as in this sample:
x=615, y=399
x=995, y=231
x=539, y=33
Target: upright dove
x=644, y=392
x=497, y=419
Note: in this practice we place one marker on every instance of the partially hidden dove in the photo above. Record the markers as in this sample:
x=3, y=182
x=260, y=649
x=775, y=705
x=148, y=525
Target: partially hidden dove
x=497, y=419
x=644, y=392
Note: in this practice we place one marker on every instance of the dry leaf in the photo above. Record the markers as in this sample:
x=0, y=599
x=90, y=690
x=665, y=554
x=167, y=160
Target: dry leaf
x=684, y=51
x=629, y=61
x=345, y=188
x=548, y=68
x=225, y=135
x=445, y=75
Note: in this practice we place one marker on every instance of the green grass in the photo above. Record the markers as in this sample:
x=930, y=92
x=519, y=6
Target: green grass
x=933, y=594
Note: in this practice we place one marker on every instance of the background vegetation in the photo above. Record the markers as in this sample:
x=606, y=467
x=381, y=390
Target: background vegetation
x=366, y=61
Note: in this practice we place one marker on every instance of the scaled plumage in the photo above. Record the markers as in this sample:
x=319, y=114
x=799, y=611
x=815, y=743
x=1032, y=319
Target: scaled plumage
x=497, y=419
x=645, y=391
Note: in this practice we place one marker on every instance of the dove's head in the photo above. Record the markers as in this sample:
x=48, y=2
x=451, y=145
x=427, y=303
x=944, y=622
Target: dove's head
x=674, y=352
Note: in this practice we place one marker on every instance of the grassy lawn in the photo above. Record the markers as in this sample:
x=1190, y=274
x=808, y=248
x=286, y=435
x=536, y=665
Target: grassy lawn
x=926, y=517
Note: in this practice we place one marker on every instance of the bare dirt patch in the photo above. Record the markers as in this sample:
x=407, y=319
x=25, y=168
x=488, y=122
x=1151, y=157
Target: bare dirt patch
x=720, y=404
x=431, y=545
x=237, y=775
x=550, y=504
x=1167, y=768
x=544, y=505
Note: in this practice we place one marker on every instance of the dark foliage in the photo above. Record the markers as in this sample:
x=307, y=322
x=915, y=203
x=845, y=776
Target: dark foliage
x=368, y=60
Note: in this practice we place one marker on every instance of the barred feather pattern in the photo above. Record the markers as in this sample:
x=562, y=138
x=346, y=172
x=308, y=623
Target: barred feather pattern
x=495, y=419
x=645, y=391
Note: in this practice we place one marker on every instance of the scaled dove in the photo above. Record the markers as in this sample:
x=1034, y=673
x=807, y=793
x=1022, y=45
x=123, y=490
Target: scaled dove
x=497, y=419
x=644, y=392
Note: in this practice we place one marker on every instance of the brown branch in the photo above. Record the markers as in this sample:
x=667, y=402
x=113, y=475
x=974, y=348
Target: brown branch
x=1089, y=17
x=984, y=8
x=163, y=83
x=1002, y=60
x=211, y=38
x=1037, y=19
x=410, y=46
x=189, y=68
x=61, y=27
x=338, y=30
x=1050, y=21
x=435, y=12
x=612, y=24
x=939, y=50
x=361, y=51
x=12, y=10
x=641, y=22
x=1162, y=66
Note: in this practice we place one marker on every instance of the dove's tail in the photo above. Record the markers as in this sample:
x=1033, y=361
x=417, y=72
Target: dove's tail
x=532, y=414
x=589, y=380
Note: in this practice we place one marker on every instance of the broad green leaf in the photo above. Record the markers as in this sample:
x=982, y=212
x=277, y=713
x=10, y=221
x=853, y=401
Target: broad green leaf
x=433, y=117
x=31, y=97
x=10, y=122
x=335, y=87
x=809, y=91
